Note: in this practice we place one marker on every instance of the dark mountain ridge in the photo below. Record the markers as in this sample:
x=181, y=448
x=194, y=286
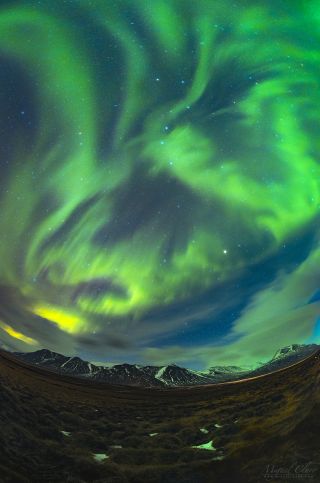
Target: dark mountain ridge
x=161, y=376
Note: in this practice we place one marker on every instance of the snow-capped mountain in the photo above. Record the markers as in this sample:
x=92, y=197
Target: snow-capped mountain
x=127, y=374
x=285, y=357
x=58, y=362
x=292, y=350
x=43, y=357
x=224, y=373
x=225, y=369
x=174, y=375
x=161, y=376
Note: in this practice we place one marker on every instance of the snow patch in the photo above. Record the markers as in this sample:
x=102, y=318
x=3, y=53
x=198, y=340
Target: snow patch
x=218, y=458
x=204, y=430
x=158, y=375
x=208, y=446
x=100, y=456
x=65, y=433
x=69, y=359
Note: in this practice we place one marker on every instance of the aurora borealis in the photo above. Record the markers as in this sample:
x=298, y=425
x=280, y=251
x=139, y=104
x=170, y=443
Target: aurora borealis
x=160, y=179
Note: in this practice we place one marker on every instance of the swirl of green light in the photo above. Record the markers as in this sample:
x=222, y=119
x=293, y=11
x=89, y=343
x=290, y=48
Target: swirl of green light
x=267, y=181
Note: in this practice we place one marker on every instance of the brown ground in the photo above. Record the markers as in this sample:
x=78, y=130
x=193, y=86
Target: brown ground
x=268, y=424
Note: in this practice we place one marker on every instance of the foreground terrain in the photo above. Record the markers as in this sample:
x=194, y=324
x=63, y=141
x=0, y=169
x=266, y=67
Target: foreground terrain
x=61, y=429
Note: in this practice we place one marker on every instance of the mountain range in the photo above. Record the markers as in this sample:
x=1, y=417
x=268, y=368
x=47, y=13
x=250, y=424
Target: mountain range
x=161, y=376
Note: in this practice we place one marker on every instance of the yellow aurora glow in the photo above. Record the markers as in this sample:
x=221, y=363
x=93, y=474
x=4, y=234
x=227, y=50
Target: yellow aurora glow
x=65, y=321
x=18, y=335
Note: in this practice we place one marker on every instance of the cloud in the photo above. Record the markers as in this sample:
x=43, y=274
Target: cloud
x=104, y=341
x=276, y=316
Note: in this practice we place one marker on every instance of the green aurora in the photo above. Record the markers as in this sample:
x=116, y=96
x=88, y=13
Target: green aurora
x=172, y=151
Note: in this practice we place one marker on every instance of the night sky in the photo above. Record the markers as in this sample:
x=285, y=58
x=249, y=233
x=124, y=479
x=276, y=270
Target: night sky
x=159, y=179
